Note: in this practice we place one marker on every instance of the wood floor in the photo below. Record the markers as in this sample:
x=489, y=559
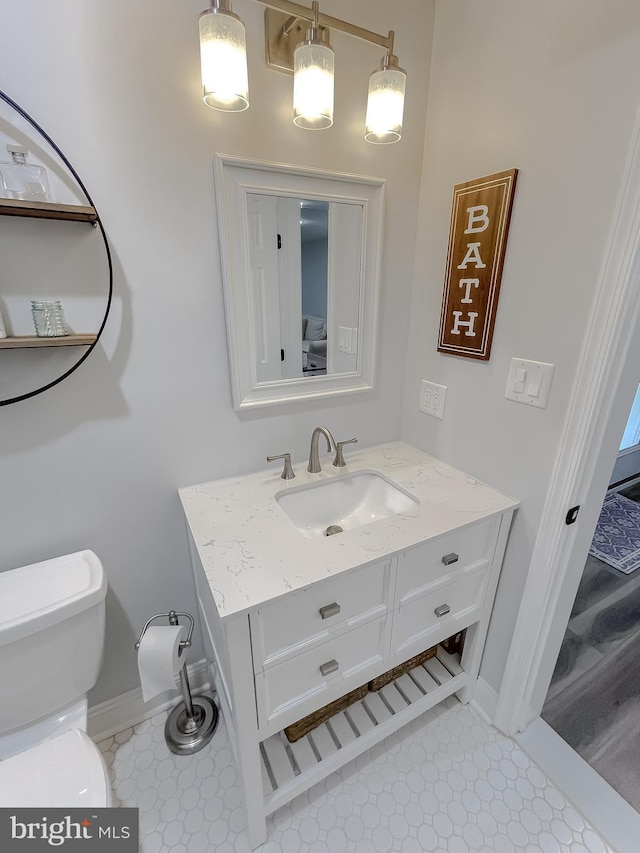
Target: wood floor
x=593, y=701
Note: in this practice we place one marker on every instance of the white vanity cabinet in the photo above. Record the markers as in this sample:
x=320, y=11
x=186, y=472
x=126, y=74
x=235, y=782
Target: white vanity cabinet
x=285, y=642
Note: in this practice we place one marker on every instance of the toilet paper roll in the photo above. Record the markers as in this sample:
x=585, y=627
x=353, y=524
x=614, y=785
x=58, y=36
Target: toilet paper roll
x=159, y=660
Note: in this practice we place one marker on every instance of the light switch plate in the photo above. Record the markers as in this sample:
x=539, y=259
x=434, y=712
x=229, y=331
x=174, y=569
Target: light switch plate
x=345, y=339
x=529, y=382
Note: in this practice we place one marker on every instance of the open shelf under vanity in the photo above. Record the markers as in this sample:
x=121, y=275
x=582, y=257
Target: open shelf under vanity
x=288, y=769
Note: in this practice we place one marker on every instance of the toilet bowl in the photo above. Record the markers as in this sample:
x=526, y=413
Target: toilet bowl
x=51, y=642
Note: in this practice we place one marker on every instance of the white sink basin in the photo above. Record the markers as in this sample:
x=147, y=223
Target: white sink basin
x=345, y=501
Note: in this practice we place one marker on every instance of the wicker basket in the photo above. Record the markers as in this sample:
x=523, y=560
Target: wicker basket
x=307, y=724
x=302, y=727
x=386, y=677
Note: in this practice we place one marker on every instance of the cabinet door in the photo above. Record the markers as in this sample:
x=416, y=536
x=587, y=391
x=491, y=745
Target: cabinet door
x=445, y=558
x=436, y=615
x=303, y=619
x=299, y=686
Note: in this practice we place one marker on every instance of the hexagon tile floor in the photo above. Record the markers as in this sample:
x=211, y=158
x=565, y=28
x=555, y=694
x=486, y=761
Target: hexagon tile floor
x=447, y=782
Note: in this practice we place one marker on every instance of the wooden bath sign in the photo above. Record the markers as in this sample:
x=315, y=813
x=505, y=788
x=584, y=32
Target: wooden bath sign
x=477, y=242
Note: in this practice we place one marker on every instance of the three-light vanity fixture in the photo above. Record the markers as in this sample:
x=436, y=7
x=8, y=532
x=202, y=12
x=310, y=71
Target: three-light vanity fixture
x=297, y=40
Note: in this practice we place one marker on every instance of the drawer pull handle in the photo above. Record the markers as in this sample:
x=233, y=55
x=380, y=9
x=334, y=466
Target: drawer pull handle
x=329, y=667
x=330, y=610
x=442, y=610
x=450, y=558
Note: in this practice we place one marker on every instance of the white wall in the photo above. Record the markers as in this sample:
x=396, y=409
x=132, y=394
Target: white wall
x=96, y=461
x=551, y=90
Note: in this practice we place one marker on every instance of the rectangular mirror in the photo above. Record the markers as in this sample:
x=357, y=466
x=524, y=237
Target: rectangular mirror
x=300, y=252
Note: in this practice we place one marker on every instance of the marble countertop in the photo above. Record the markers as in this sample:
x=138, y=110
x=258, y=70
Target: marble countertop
x=252, y=553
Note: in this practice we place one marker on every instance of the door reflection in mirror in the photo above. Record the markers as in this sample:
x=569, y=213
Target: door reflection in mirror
x=304, y=259
x=314, y=238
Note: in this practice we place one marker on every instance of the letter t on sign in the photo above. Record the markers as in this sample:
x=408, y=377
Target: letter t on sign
x=482, y=208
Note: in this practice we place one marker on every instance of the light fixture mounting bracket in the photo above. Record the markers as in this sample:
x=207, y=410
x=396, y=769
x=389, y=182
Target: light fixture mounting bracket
x=286, y=24
x=282, y=35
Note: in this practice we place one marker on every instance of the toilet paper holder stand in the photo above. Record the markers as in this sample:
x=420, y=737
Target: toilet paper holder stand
x=193, y=722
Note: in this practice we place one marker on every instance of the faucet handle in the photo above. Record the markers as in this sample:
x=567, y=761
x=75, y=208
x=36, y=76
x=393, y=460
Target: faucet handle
x=339, y=460
x=287, y=471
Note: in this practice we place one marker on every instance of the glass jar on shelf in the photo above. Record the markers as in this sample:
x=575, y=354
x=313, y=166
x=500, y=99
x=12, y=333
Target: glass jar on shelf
x=48, y=318
x=22, y=180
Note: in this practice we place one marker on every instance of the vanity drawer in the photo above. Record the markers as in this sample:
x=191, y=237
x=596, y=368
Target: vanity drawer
x=418, y=625
x=445, y=558
x=311, y=616
x=291, y=690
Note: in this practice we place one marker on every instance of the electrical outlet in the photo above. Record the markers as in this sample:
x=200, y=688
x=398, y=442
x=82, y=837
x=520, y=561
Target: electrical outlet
x=432, y=399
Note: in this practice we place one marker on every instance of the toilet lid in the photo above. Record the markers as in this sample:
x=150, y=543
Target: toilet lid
x=65, y=772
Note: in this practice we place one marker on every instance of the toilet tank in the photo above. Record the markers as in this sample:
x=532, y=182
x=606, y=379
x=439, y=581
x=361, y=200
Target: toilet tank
x=51, y=636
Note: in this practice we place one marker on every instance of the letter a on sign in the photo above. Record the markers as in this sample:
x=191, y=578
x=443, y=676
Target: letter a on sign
x=480, y=219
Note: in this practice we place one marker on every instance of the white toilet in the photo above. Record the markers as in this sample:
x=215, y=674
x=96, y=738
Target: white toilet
x=52, y=618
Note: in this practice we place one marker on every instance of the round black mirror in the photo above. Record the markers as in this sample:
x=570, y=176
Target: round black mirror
x=56, y=275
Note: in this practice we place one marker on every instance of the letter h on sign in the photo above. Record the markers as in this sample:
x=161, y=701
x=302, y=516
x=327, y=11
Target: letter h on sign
x=481, y=208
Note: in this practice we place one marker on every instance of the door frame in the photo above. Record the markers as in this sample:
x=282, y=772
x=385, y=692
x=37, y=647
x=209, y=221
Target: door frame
x=601, y=396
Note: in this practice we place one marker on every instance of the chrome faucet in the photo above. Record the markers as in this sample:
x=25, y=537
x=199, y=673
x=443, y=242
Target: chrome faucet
x=314, y=466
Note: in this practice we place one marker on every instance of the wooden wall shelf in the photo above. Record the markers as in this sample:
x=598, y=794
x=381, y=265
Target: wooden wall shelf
x=26, y=341
x=47, y=210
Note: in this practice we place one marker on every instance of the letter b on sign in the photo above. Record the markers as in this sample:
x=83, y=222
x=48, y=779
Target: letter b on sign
x=477, y=214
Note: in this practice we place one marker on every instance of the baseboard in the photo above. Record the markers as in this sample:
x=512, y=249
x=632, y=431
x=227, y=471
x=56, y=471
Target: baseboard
x=129, y=709
x=611, y=816
x=485, y=700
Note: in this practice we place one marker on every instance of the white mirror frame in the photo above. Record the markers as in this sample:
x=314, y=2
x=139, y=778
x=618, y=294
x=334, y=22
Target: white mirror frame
x=235, y=179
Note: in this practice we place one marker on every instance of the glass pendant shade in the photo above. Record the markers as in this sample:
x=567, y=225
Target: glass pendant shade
x=223, y=56
x=385, y=105
x=313, y=62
